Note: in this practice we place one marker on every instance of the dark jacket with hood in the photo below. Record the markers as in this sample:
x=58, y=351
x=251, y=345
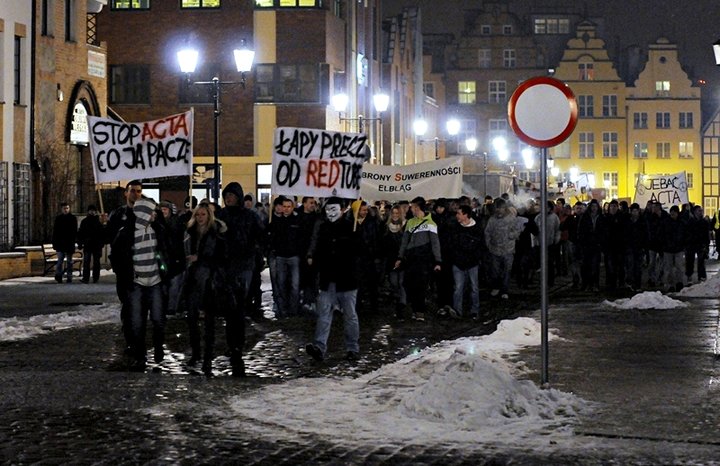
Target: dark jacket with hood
x=65, y=233
x=244, y=231
x=335, y=254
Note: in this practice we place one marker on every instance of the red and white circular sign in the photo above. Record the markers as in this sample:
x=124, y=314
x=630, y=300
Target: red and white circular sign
x=542, y=111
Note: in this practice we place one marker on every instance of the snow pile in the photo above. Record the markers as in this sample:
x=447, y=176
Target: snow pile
x=463, y=390
x=707, y=289
x=19, y=328
x=646, y=300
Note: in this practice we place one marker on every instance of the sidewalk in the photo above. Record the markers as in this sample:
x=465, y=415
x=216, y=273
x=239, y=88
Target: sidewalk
x=651, y=378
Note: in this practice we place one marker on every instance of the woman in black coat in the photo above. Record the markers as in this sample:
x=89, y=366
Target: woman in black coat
x=205, y=279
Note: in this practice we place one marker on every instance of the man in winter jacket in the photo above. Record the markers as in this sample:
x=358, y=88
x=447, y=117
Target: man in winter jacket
x=463, y=247
x=242, y=240
x=674, y=240
x=635, y=243
x=139, y=249
x=614, y=247
x=698, y=244
x=552, y=230
x=284, y=242
x=334, y=252
x=90, y=240
x=419, y=255
x=591, y=231
x=502, y=229
x=63, y=241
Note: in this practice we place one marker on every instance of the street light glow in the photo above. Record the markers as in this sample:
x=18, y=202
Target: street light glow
x=420, y=126
x=244, y=59
x=340, y=102
x=527, y=155
x=453, y=127
x=471, y=144
x=381, y=102
x=188, y=58
x=499, y=143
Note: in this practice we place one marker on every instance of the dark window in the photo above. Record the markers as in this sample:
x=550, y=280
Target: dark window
x=47, y=18
x=70, y=20
x=287, y=83
x=130, y=84
x=17, y=70
x=130, y=4
x=662, y=120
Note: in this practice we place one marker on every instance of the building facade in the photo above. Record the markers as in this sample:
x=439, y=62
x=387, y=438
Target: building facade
x=16, y=102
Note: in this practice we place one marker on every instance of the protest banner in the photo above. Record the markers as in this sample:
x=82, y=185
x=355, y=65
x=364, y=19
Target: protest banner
x=668, y=190
x=318, y=163
x=150, y=149
x=431, y=180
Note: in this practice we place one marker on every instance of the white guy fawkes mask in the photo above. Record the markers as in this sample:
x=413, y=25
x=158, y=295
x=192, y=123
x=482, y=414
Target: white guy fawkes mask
x=333, y=212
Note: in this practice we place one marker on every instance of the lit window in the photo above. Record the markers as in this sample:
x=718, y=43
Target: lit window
x=200, y=4
x=686, y=150
x=131, y=5
x=540, y=26
x=586, y=71
x=641, y=150
x=467, y=93
x=662, y=88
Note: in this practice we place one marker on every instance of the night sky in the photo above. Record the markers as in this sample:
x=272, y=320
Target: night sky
x=693, y=25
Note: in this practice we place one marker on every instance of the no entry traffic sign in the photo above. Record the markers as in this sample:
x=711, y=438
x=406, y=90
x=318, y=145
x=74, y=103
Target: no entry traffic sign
x=543, y=111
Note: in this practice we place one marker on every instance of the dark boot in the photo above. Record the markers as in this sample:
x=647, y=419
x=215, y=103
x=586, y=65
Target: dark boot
x=237, y=363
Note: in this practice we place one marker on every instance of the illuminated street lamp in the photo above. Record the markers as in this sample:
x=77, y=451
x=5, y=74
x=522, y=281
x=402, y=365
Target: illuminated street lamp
x=420, y=127
x=188, y=59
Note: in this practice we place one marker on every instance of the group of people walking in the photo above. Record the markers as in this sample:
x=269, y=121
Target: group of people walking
x=207, y=261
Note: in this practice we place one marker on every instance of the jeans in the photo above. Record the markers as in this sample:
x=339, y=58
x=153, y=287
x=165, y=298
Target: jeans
x=63, y=258
x=346, y=300
x=174, y=291
x=673, y=265
x=461, y=276
x=142, y=300
x=500, y=272
x=235, y=318
x=287, y=279
x=690, y=253
x=655, y=266
x=395, y=278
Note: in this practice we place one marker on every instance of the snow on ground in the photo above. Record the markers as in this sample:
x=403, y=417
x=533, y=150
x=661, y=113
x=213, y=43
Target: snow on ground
x=646, y=300
x=466, y=390
x=20, y=328
x=706, y=289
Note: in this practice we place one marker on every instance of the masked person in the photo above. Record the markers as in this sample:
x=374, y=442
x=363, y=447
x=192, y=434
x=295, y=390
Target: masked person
x=333, y=251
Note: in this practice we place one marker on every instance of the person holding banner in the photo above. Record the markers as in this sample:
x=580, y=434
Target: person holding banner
x=334, y=251
x=123, y=217
x=242, y=239
x=419, y=256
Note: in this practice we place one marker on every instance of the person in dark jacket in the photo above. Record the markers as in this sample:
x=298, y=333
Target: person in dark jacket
x=243, y=239
x=368, y=274
x=91, y=241
x=390, y=240
x=698, y=244
x=463, y=248
x=123, y=217
x=655, y=217
x=334, y=251
x=175, y=232
x=674, y=240
x=614, y=247
x=206, y=281
x=308, y=273
x=63, y=240
x=591, y=231
x=573, y=252
x=636, y=237
x=285, y=247
x=139, y=251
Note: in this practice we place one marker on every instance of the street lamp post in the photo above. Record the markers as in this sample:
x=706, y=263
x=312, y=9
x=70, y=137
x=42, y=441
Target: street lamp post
x=188, y=59
x=420, y=127
x=381, y=102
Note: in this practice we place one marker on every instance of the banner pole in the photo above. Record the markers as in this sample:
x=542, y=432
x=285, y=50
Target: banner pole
x=98, y=189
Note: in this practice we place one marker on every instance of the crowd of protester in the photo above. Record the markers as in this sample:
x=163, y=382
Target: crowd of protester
x=335, y=255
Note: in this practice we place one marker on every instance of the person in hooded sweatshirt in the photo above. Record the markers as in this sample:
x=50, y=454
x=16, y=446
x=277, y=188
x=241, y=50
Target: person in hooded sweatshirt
x=243, y=236
x=140, y=248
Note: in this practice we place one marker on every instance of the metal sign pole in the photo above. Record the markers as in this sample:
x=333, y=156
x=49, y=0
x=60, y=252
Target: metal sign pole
x=543, y=267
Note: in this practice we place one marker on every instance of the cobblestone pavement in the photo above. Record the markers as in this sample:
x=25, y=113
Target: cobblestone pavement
x=68, y=400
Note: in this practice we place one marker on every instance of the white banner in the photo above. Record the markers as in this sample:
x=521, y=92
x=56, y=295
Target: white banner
x=314, y=162
x=150, y=149
x=668, y=190
x=431, y=180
